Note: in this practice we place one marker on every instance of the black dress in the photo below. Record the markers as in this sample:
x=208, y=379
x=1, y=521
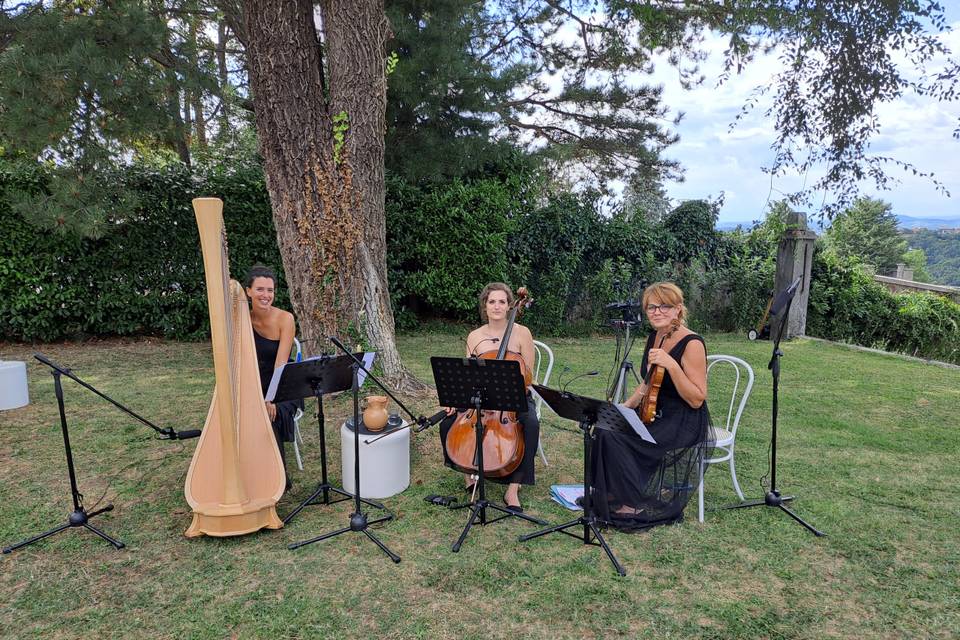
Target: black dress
x=524, y=474
x=638, y=484
x=283, y=426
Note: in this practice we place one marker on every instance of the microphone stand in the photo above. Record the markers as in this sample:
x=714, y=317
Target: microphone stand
x=358, y=519
x=615, y=394
x=165, y=433
x=79, y=517
x=773, y=497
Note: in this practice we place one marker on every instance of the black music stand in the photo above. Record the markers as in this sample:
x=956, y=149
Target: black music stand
x=482, y=385
x=358, y=519
x=589, y=413
x=79, y=517
x=773, y=498
x=313, y=378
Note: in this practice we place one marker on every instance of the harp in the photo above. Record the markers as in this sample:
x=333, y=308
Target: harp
x=236, y=476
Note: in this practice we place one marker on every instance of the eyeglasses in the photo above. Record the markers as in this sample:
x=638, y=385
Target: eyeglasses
x=662, y=308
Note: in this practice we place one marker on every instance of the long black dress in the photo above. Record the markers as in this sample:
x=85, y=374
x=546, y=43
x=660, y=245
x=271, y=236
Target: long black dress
x=638, y=484
x=524, y=474
x=283, y=424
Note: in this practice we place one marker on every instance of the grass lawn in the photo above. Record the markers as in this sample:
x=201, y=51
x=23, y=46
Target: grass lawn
x=868, y=443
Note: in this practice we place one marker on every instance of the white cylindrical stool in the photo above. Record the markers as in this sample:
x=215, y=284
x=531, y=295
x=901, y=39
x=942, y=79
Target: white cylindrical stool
x=13, y=384
x=384, y=464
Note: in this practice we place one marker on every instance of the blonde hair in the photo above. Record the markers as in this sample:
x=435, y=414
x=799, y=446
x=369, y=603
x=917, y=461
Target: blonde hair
x=666, y=293
x=487, y=290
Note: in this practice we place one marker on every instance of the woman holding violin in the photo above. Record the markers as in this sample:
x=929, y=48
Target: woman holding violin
x=496, y=303
x=638, y=484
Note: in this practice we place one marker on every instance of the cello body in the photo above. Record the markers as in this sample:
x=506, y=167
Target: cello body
x=236, y=476
x=503, y=444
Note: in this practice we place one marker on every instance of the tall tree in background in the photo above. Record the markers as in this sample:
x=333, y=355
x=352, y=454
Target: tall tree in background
x=570, y=81
x=320, y=103
x=868, y=230
x=85, y=83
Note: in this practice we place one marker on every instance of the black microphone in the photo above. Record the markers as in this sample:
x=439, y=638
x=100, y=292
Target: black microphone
x=426, y=423
x=582, y=375
x=493, y=340
x=186, y=435
x=784, y=297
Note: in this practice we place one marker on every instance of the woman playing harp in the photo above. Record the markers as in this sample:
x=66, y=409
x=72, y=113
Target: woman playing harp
x=273, y=333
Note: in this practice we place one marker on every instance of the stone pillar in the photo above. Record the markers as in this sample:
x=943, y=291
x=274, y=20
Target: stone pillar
x=794, y=260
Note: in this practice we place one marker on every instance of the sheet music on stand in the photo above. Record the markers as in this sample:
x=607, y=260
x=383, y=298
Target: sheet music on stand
x=606, y=415
x=316, y=363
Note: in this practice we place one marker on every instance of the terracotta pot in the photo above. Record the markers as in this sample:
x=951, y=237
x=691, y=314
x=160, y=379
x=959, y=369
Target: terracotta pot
x=375, y=416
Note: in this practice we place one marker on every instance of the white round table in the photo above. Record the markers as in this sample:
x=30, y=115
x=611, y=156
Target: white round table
x=13, y=384
x=384, y=464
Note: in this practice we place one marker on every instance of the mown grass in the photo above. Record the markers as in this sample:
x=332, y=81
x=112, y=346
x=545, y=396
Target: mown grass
x=868, y=443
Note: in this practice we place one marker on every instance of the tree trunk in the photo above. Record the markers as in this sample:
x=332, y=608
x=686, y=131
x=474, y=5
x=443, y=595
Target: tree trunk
x=328, y=211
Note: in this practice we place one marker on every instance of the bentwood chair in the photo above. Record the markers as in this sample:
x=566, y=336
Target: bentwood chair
x=298, y=357
x=544, y=364
x=737, y=380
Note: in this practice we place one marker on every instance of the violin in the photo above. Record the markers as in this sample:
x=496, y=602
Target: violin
x=654, y=380
x=503, y=445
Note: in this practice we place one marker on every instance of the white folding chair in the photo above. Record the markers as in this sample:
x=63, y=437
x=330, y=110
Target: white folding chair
x=299, y=414
x=723, y=438
x=544, y=353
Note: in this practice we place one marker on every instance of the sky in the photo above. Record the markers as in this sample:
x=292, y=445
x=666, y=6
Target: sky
x=718, y=159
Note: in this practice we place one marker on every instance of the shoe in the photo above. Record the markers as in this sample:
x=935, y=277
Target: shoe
x=515, y=508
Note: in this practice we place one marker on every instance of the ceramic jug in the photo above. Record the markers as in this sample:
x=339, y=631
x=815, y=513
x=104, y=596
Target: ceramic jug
x=375, y=416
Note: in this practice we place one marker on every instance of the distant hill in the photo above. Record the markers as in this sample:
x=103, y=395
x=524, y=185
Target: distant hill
x=904, y=222
x=911, y=222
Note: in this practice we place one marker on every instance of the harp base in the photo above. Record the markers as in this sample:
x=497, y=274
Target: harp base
x=235, y=524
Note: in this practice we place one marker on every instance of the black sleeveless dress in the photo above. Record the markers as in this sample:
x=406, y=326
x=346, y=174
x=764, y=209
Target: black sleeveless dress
x=283, y=425
x=637, y=484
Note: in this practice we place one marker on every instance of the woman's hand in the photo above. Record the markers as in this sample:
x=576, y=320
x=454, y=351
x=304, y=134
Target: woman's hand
x=271, y=411
x=663, y=359
x=450, y=410
x=634, y=401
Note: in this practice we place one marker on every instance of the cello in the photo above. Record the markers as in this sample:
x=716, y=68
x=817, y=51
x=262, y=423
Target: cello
x=654, y=380
x=503, y=444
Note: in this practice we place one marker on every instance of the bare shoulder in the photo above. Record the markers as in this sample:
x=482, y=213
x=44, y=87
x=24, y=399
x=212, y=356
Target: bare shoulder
x=476, y=334
x=695, y=348
x=522, y=331
x=282, y=320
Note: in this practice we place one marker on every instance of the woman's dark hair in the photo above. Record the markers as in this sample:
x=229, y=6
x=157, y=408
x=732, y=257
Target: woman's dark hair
x=259, y=271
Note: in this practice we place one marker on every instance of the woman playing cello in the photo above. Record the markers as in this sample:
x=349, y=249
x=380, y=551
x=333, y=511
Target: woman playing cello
x=496, y=300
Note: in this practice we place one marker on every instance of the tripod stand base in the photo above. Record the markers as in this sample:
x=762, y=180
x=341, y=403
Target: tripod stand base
x=326, y=489
x=590, y=530
x=79, y=518
x=359, y=523
x=774, y=499
x=478, y=514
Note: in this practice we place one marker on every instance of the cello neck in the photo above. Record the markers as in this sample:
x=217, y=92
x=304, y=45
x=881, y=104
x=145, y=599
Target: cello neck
x=505, y=340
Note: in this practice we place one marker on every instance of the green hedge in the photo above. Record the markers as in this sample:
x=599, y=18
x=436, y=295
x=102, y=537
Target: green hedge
x=846, y=304
x=445, y=241
x=144, y=275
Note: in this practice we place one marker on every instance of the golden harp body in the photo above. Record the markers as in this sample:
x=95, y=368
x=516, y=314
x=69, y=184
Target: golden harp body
x=236, y=476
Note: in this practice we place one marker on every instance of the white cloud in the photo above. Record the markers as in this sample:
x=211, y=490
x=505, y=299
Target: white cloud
x=913, y=129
